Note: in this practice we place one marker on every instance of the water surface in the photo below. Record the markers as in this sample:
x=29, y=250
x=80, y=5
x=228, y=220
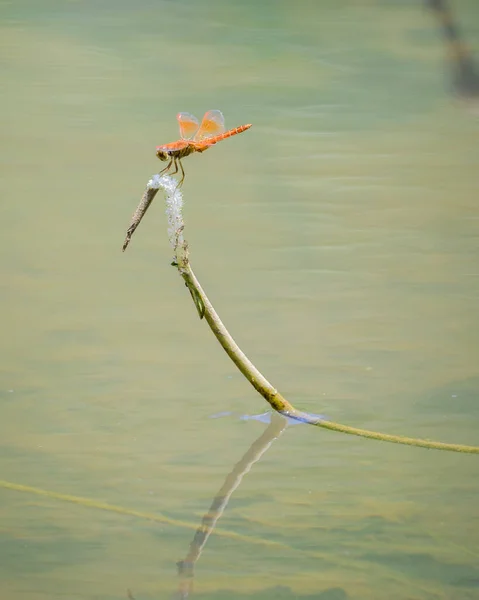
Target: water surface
x=338, y=239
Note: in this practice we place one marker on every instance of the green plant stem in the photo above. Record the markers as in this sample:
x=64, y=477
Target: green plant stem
x=264, y=387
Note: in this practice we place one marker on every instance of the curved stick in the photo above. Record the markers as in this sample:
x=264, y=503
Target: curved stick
x=174, y=203
x=276, y=400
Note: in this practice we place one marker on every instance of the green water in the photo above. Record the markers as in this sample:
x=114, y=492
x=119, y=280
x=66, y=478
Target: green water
x=338, y=238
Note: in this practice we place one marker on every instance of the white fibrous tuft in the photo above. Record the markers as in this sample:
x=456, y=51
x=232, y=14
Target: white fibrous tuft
x=174, y=206
x=155, y=182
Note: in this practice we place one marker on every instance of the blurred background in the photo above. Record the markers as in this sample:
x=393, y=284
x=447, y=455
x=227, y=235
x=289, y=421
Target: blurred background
x=338, y=239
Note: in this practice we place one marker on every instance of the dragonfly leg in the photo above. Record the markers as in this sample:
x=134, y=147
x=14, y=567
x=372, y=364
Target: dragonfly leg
x=167, y=168
x=175, y=162
x=182, y=174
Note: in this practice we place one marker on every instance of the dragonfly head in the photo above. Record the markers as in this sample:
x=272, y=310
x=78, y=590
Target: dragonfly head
x=162, y=154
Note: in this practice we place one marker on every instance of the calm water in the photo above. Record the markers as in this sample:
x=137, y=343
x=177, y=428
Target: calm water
x=339, y=241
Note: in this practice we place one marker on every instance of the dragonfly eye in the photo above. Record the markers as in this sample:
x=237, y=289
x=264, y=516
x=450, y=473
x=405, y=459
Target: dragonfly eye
x=161, y=154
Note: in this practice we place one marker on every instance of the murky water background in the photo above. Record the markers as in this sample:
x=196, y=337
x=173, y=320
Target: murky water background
x=338, y=239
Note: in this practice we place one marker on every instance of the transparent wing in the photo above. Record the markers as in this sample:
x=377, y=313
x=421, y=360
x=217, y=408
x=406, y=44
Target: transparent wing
x=213, y=123
x=189, y=125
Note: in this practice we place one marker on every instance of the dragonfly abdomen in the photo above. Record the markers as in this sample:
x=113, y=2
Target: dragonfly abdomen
x=231, y=132
x=222, y=136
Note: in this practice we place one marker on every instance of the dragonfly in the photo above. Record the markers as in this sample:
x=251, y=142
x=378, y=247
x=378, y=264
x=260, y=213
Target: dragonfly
x=195, y=137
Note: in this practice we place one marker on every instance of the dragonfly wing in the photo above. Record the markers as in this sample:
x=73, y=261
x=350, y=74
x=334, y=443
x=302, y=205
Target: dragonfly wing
x=189, y=125
x=213, y=123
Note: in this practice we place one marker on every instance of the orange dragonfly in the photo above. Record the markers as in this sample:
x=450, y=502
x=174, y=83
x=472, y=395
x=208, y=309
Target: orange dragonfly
x=195, y=138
